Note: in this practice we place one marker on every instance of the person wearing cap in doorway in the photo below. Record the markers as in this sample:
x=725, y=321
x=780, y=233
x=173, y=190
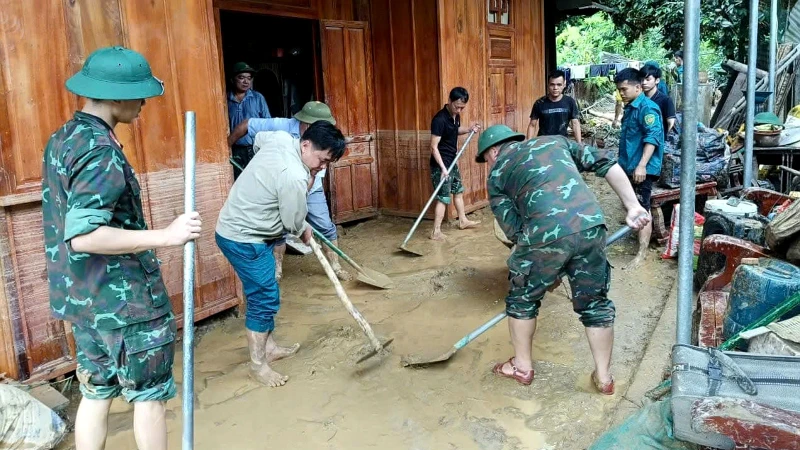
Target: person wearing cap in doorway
x=104, y=277
x=319, y=216
x=244, y=103
x=542, y=204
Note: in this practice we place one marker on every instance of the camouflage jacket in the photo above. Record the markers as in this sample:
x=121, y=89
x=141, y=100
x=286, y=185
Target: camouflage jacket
x=86, y=183
x=537, y=193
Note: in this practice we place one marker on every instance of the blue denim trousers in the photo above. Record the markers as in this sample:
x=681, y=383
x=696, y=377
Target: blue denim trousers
x=255, y=266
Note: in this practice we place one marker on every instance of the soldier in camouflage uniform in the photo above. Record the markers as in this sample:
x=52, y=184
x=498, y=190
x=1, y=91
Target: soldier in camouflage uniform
x=103, y=274
x=543, y=206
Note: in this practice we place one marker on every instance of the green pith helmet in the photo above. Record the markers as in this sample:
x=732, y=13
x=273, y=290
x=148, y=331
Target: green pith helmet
x=242, y=67
x=314, y=111
x=767, y=118
x=115, y=73
x=494, y=135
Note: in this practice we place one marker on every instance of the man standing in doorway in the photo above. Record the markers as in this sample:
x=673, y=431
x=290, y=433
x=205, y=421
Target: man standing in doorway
x=268, y=200
x=544, y=207
x=445, y=129
x=103, y=274
x=641, y=147
x=552, y=113
x=244, y=103
x=651, y=80
x=319, y=216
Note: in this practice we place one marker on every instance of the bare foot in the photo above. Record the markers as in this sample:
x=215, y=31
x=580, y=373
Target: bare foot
x=438, y=236
x=264, y=374
x=636, y=262
x=276, y=352
x=468, y=224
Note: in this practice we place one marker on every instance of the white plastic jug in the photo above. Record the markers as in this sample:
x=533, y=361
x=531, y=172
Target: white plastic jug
x=732, y=206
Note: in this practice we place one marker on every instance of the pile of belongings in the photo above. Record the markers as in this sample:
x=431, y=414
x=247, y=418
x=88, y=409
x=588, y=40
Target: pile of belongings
x=713, y=154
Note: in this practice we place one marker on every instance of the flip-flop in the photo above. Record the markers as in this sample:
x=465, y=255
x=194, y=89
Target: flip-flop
x=604, y=388
x=524, y=378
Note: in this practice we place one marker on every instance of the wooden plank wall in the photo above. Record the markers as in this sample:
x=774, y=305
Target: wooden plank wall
x=407, y=95
x=178, y=38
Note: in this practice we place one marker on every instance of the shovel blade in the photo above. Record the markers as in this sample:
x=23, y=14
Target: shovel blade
x=374, y=352
x=375, y=278
x=409, y=251
x=423, y=361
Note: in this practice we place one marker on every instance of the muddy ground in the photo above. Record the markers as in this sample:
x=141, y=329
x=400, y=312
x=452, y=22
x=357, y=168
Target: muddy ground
x=332, y=403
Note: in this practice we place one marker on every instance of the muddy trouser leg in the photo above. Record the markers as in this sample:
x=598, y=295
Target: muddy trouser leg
x=589, y=276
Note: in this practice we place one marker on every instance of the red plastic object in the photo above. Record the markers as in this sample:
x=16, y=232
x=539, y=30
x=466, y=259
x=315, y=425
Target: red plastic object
x=766, y=199
x=735, y=250
x=749, y=424
x=712, y=316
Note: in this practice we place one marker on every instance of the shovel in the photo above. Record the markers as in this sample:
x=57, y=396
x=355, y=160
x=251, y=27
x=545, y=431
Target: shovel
x=376, y=345
x=421, y=361
x=403, y=246
x=365, y=274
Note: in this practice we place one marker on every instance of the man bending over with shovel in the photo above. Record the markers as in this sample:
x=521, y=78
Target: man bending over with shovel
x=543, y=205
x=318, y=215
x=266, y=201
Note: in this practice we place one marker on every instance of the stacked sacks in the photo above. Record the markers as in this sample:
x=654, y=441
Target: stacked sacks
x=713, y=154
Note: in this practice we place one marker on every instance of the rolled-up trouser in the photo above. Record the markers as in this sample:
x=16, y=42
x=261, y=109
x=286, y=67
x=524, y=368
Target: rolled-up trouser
x=582, y=258
x=255, y=266
x=319, y=216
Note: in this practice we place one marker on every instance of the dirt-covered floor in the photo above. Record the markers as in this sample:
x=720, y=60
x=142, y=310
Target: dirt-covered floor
x=330, y=402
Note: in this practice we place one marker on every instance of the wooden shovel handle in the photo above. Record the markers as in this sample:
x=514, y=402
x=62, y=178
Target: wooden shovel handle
x=343, y=296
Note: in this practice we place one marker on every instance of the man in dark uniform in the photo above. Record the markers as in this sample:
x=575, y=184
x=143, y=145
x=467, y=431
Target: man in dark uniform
x=445, y=129
x=651, y=82
x=641, y=147
x=103, y=274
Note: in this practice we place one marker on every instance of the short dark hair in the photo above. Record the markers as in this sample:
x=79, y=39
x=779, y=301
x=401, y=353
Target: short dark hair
x=649, y=70
x=629, y=75
x=459, y=93
x=678, y=54
x=557, y=74
x=325, y=136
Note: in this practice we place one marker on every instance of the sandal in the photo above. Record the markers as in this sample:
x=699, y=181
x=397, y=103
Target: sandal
x=524, y=378
x=604, y=388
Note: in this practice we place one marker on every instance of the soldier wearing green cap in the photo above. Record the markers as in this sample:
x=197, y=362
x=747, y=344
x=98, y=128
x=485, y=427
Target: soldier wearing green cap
x=103, y=273
x=542, y=204
x=319, y=216
x=244, y=103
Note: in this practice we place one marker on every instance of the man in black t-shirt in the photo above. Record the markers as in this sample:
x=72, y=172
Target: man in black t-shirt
x=552, y=113
x=445, y=129
x=651, y=76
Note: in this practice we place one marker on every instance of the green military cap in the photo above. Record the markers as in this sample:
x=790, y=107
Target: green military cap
x=314, y=111
x=115, y=73
x=242, y=67
x=767, y=118
x=495, y=134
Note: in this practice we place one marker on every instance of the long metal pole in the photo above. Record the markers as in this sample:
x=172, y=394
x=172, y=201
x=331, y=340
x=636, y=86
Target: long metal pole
x=752, y=56
x=773, y=51
x=188, y=289
x=691, y=57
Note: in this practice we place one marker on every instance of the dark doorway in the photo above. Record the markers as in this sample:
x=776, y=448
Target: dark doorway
x=284, y=53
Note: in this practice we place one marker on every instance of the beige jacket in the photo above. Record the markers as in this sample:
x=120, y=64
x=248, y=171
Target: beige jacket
x=269, y=197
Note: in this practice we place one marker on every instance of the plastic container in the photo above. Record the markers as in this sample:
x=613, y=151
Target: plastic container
x=756, y=289
x=734, y=207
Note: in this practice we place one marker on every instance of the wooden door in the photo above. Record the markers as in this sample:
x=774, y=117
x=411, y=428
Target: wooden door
x=348, y=82
x=502, y=96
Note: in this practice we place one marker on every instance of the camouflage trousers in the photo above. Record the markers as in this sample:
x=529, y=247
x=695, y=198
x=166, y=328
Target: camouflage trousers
x=582, y=258
x=134, y=361
x=453, y=184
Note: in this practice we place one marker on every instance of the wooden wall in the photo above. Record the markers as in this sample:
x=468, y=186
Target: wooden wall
x=424, y=50
x=407, y=95
x=178, y=38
